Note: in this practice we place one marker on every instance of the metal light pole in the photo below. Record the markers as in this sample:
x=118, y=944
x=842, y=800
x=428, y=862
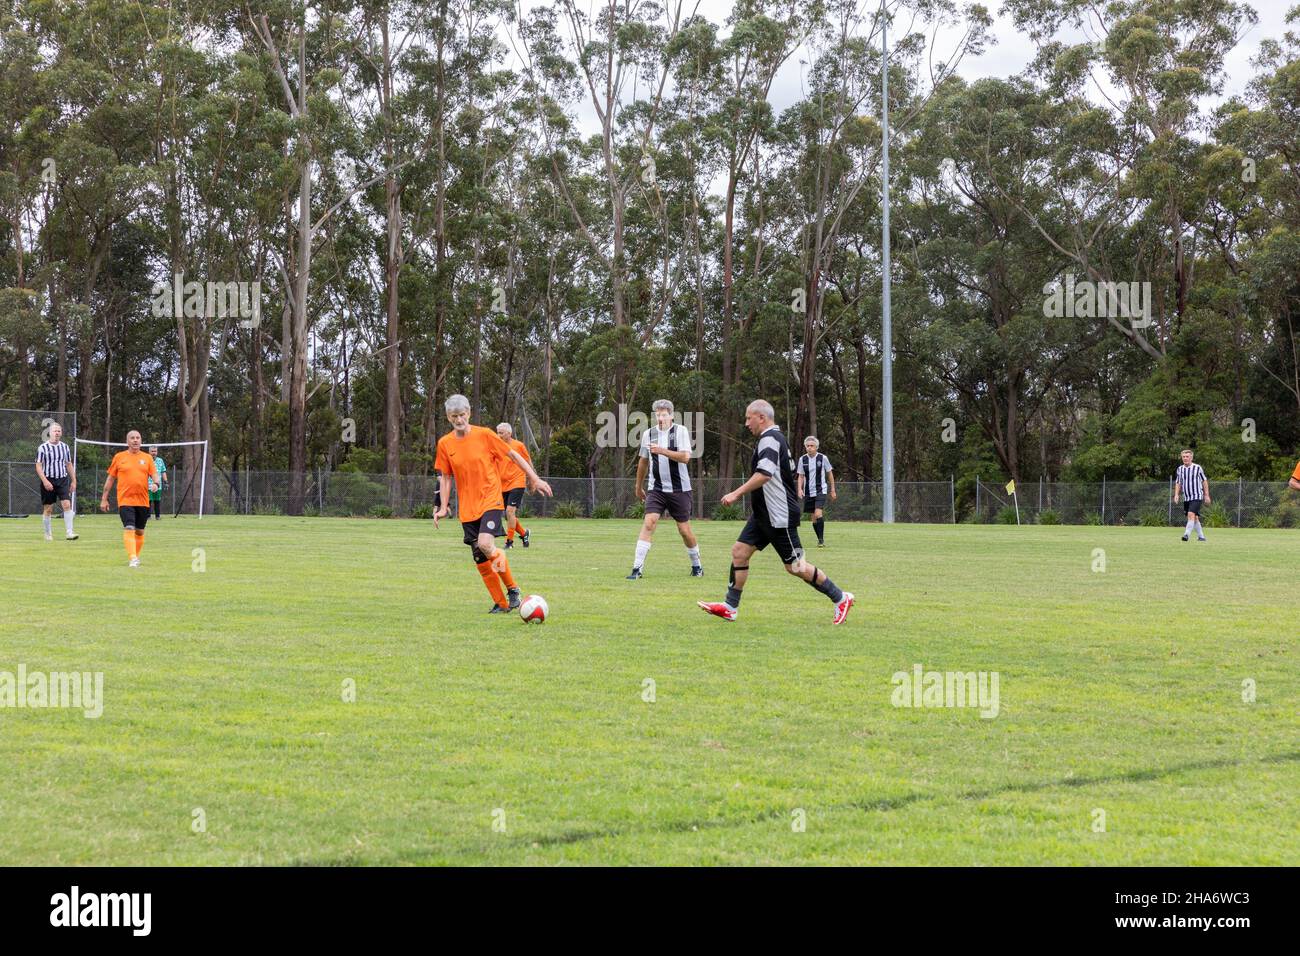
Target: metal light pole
x=886, y=332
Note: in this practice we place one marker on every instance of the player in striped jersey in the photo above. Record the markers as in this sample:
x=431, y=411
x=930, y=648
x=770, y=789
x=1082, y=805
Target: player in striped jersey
x=816, y=481
x=774, y=519
x=1194, y=488
x=664, y=484
x=58, y=482
x=472, y=456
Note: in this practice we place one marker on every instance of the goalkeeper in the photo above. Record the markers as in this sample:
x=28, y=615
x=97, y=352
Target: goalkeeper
x=157, y=482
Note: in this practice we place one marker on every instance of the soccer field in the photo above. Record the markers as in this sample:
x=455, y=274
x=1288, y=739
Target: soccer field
x=1124, y=733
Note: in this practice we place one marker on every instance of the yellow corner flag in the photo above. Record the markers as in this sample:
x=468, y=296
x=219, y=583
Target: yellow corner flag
x=1011, y=487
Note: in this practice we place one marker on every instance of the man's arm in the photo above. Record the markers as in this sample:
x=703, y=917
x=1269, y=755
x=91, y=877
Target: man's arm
x=444, y=497
x=642, y=466
x=1294, y=484
x=1178, y=488
x=103, y=500
x=800, y=489
x=756, y=480
x=831, y=476
x=679, y=455
x=40, y=473
x=1207, y=487
x=72, y=476
x=535, y=483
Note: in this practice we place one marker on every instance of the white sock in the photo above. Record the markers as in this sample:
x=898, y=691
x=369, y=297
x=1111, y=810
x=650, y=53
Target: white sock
x=642, y=549
x=1191, y=525
x=67, y=520
x=45, y=520
x=694, y=555
x=1200, y=533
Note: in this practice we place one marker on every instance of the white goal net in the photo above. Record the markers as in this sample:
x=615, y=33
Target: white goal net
x=116, y=446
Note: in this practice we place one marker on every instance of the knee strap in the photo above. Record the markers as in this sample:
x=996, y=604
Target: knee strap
x=734, y=568
x=479, y=556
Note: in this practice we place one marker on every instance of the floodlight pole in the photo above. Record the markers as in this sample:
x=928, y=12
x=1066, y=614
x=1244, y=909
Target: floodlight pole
x=886, y=332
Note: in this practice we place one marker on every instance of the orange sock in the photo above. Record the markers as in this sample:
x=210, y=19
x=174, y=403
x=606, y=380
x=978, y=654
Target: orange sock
x=493, y=585
x=139, y=543
x=510, y=533
x=519, y=525
x=504, y=572
x=128, y=538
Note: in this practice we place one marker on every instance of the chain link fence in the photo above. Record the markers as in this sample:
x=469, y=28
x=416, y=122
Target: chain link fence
x=1234, y=503
x=1241, y=504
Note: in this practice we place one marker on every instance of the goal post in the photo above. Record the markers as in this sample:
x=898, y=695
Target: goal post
x=203, y=469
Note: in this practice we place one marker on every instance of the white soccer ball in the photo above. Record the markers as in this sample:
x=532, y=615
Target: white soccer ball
x=534, y=608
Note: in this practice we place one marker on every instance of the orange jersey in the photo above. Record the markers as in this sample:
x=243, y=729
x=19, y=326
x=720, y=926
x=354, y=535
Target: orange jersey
x=475, y=462
x=1296, y=474
x=133, y=471
x=512, y=476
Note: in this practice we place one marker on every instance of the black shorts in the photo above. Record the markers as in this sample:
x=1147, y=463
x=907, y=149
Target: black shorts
x=59, y=493
x=812, y=502
x=133, y=516
x=760, y=534
x=1192, y=506
x=675, y=503
x=514, y=497
x=489, y=522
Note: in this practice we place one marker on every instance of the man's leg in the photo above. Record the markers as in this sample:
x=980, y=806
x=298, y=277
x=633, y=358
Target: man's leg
x=643, y=541
x=483, y=561
x=127, y=514
x=819, y=580
x=740, y=555
x=819, y=526
x=46, y=521
x=500, y=566
x=692, y=545
x=141, y=519
x=68, y=515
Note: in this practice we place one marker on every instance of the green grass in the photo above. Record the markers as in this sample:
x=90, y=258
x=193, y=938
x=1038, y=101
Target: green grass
x=1119, y=691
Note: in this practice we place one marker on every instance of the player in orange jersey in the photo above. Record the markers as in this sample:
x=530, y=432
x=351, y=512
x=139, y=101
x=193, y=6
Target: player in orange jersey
x=132, y=468
x=1295, y=478
x=473, y=457
x=512, y=486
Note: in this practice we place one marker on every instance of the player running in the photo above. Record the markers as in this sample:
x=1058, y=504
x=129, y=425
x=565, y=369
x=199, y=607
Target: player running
x=816, y=480
x=774, y=519
x=1194, y=489
x=472, y=456
x=58, y=482
x=132, y=468
x=512, y=485
x=665, y=452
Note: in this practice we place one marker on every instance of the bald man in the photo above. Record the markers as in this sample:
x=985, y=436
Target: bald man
x=774, y=518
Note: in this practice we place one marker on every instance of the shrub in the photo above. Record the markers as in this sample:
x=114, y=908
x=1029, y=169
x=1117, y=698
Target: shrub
x=1154, y=519
x=422, y=511
x=1092, y=518
x=1006, y=516
x=603, y=511
x=635, y=510
x=1048, y=516
x=1216, y=516
x=1287, y=513
x=267, y=510
x=566, y=509
x=381, y=511
x=1264, y=520
x=728, y=512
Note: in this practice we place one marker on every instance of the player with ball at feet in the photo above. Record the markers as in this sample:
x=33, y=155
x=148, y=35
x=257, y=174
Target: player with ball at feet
x=473, y=457
x=774, y=519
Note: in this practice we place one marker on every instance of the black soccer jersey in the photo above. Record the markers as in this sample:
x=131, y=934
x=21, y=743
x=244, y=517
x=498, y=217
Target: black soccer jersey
x=1191, y=480
x=777, y=502
x=664, y=473
x=816, y=472
x=53, y=457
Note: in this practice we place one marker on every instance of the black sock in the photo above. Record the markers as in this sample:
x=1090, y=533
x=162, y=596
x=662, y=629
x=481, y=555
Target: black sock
x=827, y=587
x=818, y=525
x=733, y=596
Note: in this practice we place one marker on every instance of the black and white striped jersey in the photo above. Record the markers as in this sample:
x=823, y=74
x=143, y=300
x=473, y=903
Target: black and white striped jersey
x=666, y=474
x=1191, y=481
x=777, y=502
x=53, y=457
x=816, y=471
